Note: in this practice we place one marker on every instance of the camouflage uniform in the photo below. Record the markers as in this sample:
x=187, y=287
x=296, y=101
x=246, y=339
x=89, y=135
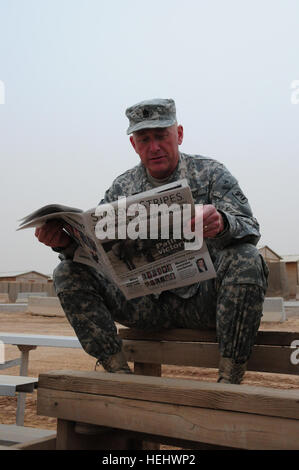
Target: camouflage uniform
x=232, y=302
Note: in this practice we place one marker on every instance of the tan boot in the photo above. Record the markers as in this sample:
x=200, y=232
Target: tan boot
x=117, y=363
x=230, y=372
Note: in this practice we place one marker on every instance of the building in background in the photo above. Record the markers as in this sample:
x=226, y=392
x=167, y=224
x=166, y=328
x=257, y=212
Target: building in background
x=24, y=276
x=13, y=283
x=292, y=269
x=283, y=278
x=269, y=255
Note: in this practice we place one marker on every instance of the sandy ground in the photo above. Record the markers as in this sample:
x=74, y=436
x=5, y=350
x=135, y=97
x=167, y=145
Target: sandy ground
x=45, y=359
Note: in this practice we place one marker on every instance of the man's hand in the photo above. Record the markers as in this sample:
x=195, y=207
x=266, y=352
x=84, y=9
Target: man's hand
x=212, y=221
x=53, y=235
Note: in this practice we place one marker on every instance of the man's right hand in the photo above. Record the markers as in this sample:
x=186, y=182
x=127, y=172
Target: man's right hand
x=53, y=235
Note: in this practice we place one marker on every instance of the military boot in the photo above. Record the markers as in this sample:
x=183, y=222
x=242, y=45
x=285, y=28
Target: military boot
x=117, y=363
x=230, y=372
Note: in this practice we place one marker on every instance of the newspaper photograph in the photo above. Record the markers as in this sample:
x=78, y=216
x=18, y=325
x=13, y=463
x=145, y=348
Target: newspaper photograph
x=145, y=253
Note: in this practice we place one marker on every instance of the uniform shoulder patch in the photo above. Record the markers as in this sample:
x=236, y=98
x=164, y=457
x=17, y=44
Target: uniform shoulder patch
x=240, y=196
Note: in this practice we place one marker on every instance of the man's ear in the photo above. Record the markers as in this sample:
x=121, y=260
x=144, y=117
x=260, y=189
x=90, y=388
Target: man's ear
x=180, y=134
x=133, y=142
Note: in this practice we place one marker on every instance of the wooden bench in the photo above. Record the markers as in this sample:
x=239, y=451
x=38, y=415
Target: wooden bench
x=12, y=435
x=184, y=413
x=199, y=348
x=130, y=410
x=22, y=384
x=11, y=384
x=25, y=343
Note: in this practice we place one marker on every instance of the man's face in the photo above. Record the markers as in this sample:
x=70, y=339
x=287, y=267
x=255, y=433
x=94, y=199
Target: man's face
x=158, y=149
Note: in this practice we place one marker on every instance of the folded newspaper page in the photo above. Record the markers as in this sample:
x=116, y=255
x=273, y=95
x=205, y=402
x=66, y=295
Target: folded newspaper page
x=139, y=242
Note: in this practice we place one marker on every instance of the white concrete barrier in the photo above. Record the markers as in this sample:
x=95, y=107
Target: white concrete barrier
x=13, y=308
x=24, y=296
x=48, y=306
x=273, y=310
x=292, y=308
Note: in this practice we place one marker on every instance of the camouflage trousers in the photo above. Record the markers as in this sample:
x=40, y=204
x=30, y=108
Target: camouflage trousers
x=232, y=303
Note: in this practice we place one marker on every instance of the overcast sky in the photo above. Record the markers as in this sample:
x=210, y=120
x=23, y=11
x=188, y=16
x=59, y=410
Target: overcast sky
x=70, y=68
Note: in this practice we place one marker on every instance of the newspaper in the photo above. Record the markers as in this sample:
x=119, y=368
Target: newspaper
x=141, y=253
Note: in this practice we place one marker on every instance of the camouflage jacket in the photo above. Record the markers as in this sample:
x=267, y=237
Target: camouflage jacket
x=210, y=183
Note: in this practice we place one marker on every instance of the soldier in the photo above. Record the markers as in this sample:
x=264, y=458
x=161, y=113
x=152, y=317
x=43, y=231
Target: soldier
x=232, y=303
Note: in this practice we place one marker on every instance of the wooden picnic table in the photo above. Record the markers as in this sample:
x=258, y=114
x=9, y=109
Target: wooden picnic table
x=10, y=385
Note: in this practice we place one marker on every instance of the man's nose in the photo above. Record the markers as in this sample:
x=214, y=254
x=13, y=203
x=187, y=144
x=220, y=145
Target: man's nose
x=154, y=145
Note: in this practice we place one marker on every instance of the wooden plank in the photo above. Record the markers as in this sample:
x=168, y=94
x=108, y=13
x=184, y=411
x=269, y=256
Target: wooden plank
x=154, y=370
x=168, y=335
x=11, y=363
x=42, y=444
x=21, y=434
x=141, y=368
x=40, y=340
x=7, y=390
x=20, y=414
x=7, y=448
x=17, y=380
x=265, y=337
x=119, y=439
x=244, y=398
x=175, y=442
x=11, y=384
x=171, y=352
x=68, y=439
x=233, y=429
x=275, y=359
x=45, y=443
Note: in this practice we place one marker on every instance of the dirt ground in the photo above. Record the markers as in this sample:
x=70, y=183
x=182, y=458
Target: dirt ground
x=44, y=359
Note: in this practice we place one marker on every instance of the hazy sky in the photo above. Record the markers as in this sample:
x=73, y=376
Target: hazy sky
x=70, y=68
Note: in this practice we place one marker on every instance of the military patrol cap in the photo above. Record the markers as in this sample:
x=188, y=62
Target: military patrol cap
x=150, y=114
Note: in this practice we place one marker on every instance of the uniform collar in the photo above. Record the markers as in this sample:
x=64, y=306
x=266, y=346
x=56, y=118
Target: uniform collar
x=143, y=183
